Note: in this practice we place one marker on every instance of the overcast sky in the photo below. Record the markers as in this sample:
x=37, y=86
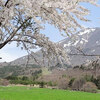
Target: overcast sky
x=11, y=52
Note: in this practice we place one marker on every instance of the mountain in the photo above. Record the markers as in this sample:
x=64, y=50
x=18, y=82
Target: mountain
x=88, y=40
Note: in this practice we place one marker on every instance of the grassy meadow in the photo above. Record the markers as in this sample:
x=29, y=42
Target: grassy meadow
x=27, y=93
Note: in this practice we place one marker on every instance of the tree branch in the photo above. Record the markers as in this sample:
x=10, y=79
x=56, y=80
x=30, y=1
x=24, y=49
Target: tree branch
x=82, y=53
x=13, y=34
x=7, y=2
x=17, y=40
x=75, y=54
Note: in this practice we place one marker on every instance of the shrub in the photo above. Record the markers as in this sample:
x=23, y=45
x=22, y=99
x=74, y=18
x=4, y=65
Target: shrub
x=25, y=78
x=4, y=82
x=50, y=83
x=42, y=84
x=64, y=76
x=63, y=83
x=98, y=82
x=12, y=78
x=88, y=78
x=98, y=85
x=89, y=87
x=78, y=84
x=71, y=82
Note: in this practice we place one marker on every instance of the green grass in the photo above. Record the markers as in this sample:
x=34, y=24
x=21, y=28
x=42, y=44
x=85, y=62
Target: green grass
x=26, y=93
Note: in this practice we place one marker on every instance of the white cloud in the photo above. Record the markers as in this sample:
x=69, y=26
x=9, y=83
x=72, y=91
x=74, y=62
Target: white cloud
x=10, y=52
x=6, y=57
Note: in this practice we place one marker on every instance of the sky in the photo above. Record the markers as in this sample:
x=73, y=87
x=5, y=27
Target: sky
x=10, y=52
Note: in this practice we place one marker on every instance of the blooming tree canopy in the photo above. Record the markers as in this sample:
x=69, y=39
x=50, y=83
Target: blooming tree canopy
x=22, y=20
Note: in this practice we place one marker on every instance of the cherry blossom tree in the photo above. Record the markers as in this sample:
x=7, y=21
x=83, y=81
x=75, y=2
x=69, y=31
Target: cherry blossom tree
x=22, y=20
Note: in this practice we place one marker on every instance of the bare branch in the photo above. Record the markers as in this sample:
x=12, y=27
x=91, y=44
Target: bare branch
x=75, y=54
x=13, y=34
x=7, y=2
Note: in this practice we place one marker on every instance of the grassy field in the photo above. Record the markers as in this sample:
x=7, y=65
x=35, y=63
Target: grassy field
x=26, y=93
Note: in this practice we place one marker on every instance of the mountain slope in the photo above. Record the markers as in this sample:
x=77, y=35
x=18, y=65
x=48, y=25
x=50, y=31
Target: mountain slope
x=87, y=40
